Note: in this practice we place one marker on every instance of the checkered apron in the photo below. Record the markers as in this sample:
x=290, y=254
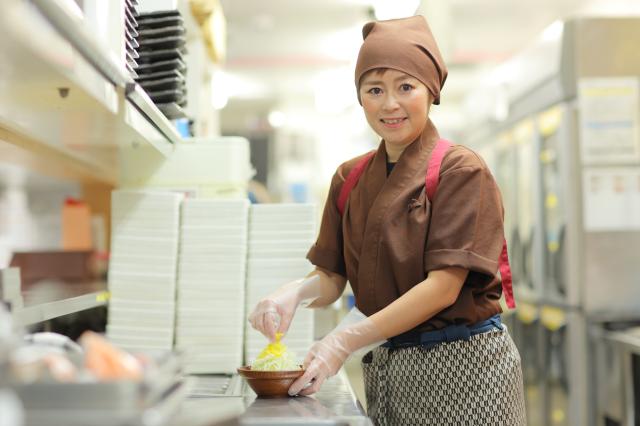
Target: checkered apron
x=474, y=382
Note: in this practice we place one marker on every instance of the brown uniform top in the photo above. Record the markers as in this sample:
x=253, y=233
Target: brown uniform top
x=390, y=236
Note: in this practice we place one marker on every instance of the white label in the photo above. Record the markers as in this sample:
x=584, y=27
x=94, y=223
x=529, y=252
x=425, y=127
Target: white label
x=609, y=115
x=611, y=198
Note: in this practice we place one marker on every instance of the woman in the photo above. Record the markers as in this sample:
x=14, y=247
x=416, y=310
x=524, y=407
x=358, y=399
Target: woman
x=422, y=263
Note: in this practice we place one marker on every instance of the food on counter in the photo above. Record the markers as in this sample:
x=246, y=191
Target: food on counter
x=276, y=357
x=60, y=368
x=48, y=357
x=106, y=362
x=53, y=340
x=34, y=363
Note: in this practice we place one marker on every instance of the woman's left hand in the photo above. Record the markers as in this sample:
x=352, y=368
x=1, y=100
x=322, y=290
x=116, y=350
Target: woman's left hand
x=323, y=361
x=329, y=354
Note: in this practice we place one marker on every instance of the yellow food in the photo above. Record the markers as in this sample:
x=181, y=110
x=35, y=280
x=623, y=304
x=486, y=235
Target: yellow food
x=276, y=357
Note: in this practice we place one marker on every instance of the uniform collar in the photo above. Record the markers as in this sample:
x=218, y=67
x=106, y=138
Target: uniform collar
x=422, y=146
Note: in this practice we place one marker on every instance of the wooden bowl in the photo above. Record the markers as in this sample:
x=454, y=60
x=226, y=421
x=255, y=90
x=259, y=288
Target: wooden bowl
x=270, y=384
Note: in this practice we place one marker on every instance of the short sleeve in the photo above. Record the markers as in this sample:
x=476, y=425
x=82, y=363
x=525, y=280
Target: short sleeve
x=327, y=252
x=466, y=225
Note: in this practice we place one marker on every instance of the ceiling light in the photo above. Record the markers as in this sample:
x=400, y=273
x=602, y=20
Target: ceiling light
x=277, y=118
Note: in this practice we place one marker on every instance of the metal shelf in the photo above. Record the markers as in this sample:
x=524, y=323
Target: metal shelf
x=75, y=32
x=630, y=339
x=57, y=308
x=63, y=96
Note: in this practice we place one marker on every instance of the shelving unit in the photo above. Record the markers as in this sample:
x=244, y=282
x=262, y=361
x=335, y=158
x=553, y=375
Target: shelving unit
x=65, y=100
x=56, y=308
x=48, y=300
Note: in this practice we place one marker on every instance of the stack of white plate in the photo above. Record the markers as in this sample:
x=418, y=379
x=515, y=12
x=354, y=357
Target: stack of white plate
x=211, y=276
x=142, y=269
x=279, y=237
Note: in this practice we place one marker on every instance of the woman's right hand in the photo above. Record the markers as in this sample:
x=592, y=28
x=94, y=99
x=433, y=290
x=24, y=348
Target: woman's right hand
x=274, y=313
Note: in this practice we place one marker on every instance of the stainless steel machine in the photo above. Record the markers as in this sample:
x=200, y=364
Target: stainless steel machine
x=567, y=159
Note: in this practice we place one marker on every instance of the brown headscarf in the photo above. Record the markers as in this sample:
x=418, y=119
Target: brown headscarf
x=405, y=45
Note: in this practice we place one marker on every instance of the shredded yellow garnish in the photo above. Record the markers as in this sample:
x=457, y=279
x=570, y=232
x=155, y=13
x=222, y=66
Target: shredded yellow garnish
x=275, y=357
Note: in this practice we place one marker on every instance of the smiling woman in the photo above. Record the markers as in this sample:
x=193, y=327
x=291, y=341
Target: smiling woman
x=422, y=264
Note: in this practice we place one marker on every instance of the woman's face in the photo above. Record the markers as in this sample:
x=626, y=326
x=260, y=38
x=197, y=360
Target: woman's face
x=396, y=105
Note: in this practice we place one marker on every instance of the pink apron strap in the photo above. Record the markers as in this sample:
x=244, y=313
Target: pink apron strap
x=433, y=169
x=505, y=274
x=352, y=179
x=431, y=185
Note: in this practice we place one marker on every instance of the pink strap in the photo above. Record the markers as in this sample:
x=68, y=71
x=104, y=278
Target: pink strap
x=352, y=179
x=433, y=169
x=431, y=185
x=505, y=274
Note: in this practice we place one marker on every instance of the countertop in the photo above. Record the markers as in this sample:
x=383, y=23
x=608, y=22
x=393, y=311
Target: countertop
x=334, y=404
x=629, y=338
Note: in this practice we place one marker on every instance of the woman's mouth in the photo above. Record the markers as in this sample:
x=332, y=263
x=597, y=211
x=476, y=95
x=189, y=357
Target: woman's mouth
x=393, y=123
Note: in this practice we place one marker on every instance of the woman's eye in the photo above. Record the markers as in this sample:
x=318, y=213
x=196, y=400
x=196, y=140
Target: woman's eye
x=375, y=90
x=406, y=87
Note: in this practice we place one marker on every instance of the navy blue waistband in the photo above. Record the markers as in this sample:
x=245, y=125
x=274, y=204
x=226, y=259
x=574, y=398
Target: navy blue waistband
x=451, y=333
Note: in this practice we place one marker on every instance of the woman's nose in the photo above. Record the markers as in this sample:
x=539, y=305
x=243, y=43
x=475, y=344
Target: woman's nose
x=390, y=102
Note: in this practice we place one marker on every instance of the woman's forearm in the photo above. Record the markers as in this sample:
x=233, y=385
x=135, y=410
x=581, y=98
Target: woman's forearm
x=330, y=287
x=439, y=291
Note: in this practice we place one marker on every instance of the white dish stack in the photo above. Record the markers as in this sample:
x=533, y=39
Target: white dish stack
x=279, y=237
x=142, y=269
x=211, y=276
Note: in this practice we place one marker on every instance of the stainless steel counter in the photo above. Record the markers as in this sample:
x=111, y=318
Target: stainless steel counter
x=616, y=365
x=334, y=404
x=629, y=339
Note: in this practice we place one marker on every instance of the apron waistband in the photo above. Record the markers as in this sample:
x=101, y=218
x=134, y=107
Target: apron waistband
x=451, y=333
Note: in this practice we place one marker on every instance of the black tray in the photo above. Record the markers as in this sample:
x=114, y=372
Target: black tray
x=132, y=42
x=130, y=22
x=150, y=56
x=133, y=73
x=131, y=33
x=160, y=14
x=130, y=60
x=161, y=75
x=161, y=32
x=169, y=21
x=172, y=110
x=167, y=96
x=161, y=43
x=162, y=84
x=168, y=65
x=128, y=13
x=131, y=49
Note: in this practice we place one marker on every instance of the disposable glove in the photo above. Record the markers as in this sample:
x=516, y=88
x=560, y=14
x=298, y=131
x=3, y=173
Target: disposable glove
x=274, y=313
x=329, y=354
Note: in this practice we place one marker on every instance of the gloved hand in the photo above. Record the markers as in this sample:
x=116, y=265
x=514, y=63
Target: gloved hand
x=274, y=313
x=329, y=354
